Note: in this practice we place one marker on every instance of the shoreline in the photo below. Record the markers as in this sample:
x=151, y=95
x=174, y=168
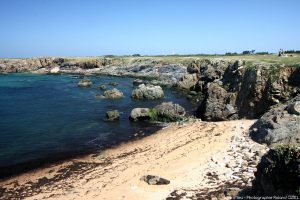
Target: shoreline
x=11, y=171
x=191, y=156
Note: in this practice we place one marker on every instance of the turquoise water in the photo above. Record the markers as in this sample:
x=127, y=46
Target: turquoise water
x=47, y=117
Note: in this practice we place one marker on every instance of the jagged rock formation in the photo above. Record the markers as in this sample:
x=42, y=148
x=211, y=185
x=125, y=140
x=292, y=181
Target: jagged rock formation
x=280, y=124
x=278, y=172
x=235, y=89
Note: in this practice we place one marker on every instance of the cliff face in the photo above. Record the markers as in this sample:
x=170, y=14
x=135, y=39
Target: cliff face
x=236, y=89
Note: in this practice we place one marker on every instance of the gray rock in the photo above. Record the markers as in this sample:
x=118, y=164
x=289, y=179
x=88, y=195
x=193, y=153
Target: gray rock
x=85, y=83
x=217, y=104
x=140, y=114
x=168, y=111
x=188, y=81
x=148, y=92
x=113, y=83
x=102, y=87
x=113, y=94
x=294, y=108
x=278, y=126
x=112, y=115
x=137, y=82
x=154, y=180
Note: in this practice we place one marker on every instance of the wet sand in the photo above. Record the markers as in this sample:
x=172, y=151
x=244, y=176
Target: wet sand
x=193, y=156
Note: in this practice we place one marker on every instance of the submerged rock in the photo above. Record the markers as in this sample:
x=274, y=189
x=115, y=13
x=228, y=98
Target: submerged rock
x=102, y=87
x=99, y=96
x=85, y=83
x=113, y=83
x=154, y=180
x=148, y=92
x=140, y=114
x=113, y=94
x=112, y=115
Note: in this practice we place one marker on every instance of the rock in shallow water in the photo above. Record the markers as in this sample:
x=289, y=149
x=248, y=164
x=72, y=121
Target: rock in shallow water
x=113, y=94
x=148, y=92
x=140, y=114
x=85, y=83
x=102, y=87
x=112, y=115
x=170, y=111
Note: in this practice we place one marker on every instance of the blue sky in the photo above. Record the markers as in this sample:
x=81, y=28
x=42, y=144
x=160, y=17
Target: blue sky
x=31, y=28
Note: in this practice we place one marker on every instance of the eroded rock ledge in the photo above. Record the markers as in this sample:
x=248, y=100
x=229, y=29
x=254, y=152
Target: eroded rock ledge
x=235, y=89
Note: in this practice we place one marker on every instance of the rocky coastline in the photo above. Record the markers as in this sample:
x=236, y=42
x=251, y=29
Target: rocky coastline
x=225, y=90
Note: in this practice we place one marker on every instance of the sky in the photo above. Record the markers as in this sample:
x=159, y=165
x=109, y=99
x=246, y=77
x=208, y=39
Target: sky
x=35, y=28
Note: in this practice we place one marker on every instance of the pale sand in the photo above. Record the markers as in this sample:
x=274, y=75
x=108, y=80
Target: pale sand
x=183, y=154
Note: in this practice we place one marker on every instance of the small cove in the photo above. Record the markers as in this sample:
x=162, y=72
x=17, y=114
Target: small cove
x=45, y=118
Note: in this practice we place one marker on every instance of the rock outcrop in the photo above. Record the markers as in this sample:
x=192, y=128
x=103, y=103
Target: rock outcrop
x=113, y=94
x=278, y=172
x=235, y=89
x=281, y=124
x=147, y=92
x=188, y=81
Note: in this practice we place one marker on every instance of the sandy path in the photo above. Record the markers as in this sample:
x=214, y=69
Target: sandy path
x=194, y=157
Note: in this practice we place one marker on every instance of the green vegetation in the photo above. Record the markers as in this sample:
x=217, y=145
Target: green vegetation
x=250, y=59
x=153, y=113
x=279, y=169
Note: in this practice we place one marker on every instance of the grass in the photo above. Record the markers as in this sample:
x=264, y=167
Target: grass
x=293, y=60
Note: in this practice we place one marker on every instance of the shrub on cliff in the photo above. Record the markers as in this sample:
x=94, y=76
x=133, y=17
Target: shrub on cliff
x=278, y=172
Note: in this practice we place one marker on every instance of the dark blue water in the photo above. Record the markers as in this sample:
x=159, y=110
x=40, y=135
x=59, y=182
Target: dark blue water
x=48, y=116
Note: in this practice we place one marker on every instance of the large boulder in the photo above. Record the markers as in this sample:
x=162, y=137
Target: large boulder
x=217, y=105
x=147, y=92
x=85, y=83
x=168, y=112
x=113, y=94
x=140, y=114
x=281, y=124
x=278, y=173
x=112, y=115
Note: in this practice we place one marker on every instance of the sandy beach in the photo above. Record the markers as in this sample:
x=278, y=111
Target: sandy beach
x=201, y=159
